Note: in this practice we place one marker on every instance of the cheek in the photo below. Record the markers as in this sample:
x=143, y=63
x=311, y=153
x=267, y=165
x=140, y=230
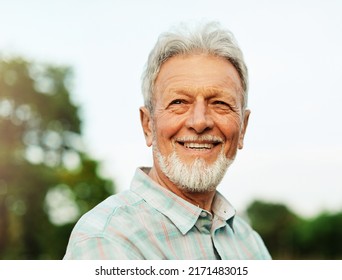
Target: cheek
x=231, y=131
x=230, y=128
x=166, y=127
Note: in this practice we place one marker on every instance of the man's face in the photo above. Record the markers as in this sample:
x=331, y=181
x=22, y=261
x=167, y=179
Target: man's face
x=198, y=110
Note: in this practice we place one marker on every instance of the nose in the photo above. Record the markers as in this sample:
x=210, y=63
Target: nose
x=200, y=119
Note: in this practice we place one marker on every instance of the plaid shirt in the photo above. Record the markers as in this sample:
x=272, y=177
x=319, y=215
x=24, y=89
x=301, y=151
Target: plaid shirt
x=150, y=222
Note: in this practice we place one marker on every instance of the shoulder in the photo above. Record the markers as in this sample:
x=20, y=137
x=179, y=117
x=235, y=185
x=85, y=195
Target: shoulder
x=95, y=222
x=241, y=227
x=250, y=238
x=104, y=232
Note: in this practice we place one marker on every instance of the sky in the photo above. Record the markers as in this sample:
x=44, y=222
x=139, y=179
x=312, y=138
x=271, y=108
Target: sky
x=293, y=146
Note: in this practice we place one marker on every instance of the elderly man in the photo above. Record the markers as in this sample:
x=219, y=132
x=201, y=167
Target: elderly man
x=195, y=118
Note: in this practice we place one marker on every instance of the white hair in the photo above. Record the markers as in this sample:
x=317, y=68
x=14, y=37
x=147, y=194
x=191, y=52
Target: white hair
x=209, y=38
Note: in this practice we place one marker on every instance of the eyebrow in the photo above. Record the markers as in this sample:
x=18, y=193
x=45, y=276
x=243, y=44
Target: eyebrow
x=212, y=91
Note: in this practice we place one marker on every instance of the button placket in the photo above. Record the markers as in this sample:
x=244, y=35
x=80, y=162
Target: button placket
x=204, y=222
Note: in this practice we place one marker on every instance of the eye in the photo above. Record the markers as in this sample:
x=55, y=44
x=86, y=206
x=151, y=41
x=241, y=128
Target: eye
x=177, y=102
x=220, y=102
x=222, y=106
x=178, y=106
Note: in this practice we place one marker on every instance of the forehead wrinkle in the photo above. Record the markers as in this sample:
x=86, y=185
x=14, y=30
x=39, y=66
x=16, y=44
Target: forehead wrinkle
x=207, y=92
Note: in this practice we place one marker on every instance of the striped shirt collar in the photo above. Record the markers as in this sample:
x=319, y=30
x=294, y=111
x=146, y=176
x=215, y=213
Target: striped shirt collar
x=182, y=213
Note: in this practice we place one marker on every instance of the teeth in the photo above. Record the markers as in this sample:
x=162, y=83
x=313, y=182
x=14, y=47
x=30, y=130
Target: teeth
x=198, y=145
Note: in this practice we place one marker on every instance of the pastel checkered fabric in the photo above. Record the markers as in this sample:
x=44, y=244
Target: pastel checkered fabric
x=150, y=222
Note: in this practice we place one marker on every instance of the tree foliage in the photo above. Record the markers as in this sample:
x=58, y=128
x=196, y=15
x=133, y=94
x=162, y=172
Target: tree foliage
x=47, y=180
x=289, y=236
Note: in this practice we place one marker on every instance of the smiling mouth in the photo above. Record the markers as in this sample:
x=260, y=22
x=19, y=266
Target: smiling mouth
x=197, y=146
x=200, y=144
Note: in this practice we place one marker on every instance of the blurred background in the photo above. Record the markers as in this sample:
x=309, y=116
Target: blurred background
x=69, y=121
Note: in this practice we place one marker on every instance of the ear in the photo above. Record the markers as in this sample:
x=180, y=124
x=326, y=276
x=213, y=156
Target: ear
x=146, y=123
x=243, y=128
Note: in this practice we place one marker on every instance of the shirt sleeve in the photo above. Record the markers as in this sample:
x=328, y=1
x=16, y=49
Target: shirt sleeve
x=263, y=252
x=101, y=248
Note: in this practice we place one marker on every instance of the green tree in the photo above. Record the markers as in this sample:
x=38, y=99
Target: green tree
x=47, y=180
x=289, y=236
x=276, y=224
x=320, y=237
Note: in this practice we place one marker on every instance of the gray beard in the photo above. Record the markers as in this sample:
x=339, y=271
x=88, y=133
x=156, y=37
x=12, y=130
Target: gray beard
x=195, y=177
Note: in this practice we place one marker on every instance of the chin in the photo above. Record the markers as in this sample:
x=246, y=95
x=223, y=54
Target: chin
x=197, y=176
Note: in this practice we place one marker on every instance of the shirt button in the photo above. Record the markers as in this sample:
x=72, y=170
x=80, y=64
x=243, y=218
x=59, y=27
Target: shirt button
x=203, y=214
